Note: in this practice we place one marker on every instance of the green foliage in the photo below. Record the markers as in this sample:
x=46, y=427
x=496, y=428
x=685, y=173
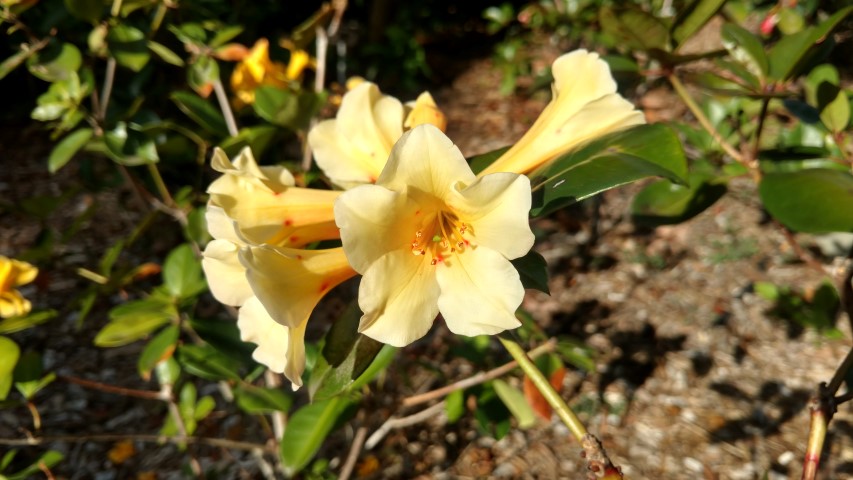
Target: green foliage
x=808, y=200
x=818, y=309
x=307, y=429
x=9, y=354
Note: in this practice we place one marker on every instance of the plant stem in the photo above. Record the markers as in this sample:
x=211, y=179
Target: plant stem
x=109, y=76
x=551, y=396
x=706, y=123
x=222, y=98
x=216, y=442
x=817, y=435
x=161, y=185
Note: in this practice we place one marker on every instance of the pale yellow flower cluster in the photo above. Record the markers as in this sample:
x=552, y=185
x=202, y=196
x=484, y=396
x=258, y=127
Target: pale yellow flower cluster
x=427, y=235
x=14, y=273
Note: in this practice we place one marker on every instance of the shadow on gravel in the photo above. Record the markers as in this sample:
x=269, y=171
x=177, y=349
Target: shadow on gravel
x=764, y=413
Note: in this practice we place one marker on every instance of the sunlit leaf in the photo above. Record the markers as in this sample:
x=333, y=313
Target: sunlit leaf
x=165, y=54
x=307, y=429
x=182, y=275
x=824, y=93
x=693, y=17
x=64, y=151
x=134, y=320
x=23, y=322
x=9, y=354
x=46, y=460
x=516, y=403
x=159, y=349
x=789, y=52
x=746, y=49
x=129, y=46
x=813, y=201
x=56, y=62
x=666, y=203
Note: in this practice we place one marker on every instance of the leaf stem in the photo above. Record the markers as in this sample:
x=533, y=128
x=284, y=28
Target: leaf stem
x=161, y=185
x=551, y=396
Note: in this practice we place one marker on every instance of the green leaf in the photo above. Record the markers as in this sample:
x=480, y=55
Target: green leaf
x=87, y=10
x=455, y=406
x=126, y=145
x=287, y=108
x=345, y=356
x=165, y=53
x=28, y=378
x=47, y=459
x=480, y=162
x=57, y=62
x=159, y=349
x=692, y=18
x=134, y=320
x=224, y=34
x=789, y=52
x=7, y=459
x=16, y=324
x=201, y=111
x=516, y=403
x=607, y=162
x=9, y=354
x=257, y=401
x=813, y=201
x=167, y=372
x=746, y=49
x=823, y=93
x=635, y=28
x=577, y=354
x=207, y=362
x=224, y=336
x=182, y=274
x=533, y=270
x=65, y=150
x=257, y=138
x=307, y=429
x=129, y=46
x=665, y=203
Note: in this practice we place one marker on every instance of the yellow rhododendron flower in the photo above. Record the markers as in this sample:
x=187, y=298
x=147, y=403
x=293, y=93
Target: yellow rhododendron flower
x=253, y=207
x=14, y=273
x=430, y=237
x=423, y=111
x=352, y=148
x=257, y=69
x=584, y=106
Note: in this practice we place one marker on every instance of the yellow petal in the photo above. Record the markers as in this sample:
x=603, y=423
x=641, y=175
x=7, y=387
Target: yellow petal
x=299, y=60
x=480, y=293
x=13, y=304
x=398, y=296
x=258, y=60
x=226, y=276
x=290, y=282
x=14, y=273
x=424, y=111
x=280, y=348
x=497, y=207
x=345, y=165
x=585, y=105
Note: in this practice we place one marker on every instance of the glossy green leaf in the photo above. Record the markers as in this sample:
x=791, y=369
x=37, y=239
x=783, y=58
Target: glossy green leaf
x=635, y=28
x=23, y=322
x=516, y=403
x=693, y=17
x=224, y=336
x=9, y=354
x=607, y=162
x=533, y=270
x=48, y=459
x=257, y=138
x=380, y=362
x=168, y=371
x=455, y=406
x=87, y=10
x=287, y=108
x=480, y=162
x=202, y=112
x=134, y=320
x=165, y=53
x=256, y=400
x=306, y=431
x=56, y=62
x=665, y=203
x=182, y=275
x=127, y=145
x=159, y=349
x=202, y=74
x=812, y=201
x=823, y=93
x=225, y=34
x=746, y=49
x=346, y=354
x=28, y=375
x=128, y=46
x=789, y=52
x=65, y=150
x=207, y=362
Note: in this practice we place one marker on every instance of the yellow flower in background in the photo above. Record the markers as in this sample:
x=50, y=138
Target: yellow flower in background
x=257, y=69
x=352, y=148
x=430, y=237
x=14, y=273
x=584, y=106
x=425, y=111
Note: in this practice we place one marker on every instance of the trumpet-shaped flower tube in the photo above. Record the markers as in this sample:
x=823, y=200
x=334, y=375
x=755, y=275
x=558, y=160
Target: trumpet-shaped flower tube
x=14, y=273
x=430, y=237
x=352, y=148
x=584, y=106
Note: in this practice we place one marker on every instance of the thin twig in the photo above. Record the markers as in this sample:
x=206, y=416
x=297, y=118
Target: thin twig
x=130, y=392
x=401, y=422
x=479, y=378
x=354, y=451
x=273, y=380
x=222, y=98
x=114, y=437
x=322, y=43
x=798, y=250
x=109, y=77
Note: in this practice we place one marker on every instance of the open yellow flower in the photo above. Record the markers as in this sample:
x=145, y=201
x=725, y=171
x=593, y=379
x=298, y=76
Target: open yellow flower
x=257, y=69
x=352, y=148
x=14, y=273
x=431, y=237
x=584, y=106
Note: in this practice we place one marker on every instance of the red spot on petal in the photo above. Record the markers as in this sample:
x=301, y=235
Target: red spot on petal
x=324, y=286
x=372, y=179
x=299, y=257
x=418, y=212
x=288, y=222
x=294, y=239
x=466, y=242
